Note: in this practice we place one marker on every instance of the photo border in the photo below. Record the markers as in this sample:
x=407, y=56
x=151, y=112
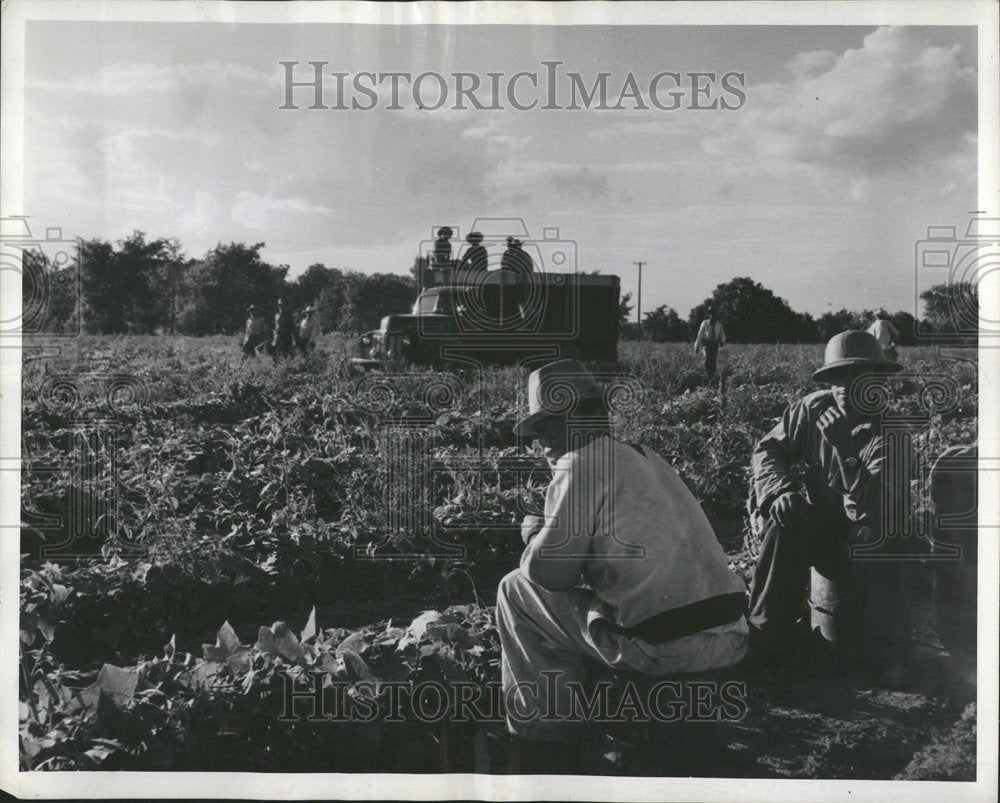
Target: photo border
x=983, y=14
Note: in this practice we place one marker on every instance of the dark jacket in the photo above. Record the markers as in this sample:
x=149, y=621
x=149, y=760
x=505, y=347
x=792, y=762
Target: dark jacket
x=793, y=456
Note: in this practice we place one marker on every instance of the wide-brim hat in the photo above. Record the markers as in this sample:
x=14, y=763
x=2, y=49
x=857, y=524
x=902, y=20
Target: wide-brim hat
x=851, y=349
x=554, y=390
x=445, y=231
x=474, y=237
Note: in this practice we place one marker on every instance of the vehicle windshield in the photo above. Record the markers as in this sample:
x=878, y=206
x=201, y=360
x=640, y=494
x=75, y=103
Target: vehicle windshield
x=432, y=302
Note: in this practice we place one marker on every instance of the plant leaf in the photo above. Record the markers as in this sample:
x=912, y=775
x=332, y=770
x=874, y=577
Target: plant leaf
x=310, y=629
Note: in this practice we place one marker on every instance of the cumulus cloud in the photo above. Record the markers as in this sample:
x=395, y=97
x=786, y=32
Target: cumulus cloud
x=255, y=211
x=583, y=181
x=891, y=103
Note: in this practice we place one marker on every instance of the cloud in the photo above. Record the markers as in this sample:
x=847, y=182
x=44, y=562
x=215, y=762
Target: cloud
x=256, y=211
x=118, y=79
x=893, y=103
x=583, y=181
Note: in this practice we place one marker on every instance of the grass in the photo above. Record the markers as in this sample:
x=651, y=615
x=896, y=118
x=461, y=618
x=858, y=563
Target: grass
x=251, y=493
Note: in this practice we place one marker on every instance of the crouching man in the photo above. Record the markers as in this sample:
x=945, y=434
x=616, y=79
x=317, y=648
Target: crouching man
x=659, y=596
x=816, y=503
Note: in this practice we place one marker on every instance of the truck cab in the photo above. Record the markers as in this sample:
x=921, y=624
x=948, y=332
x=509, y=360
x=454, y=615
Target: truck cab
x=497, y=317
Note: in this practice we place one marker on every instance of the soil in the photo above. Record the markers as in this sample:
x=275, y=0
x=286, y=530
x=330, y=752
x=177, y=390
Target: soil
x=807, y=717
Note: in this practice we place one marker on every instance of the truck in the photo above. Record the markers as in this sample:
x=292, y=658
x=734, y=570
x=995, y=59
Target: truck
x=496, y=317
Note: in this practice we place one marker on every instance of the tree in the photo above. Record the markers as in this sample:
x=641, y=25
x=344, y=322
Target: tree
x=750, y=313
x=663, y=325
x=328, y=287
x=102, y=286
x=150, y=272
x=906, y=325
x=833, y=323
x=807, y=328
x=951, y=309
x=625, y=309
x=369, y=298
x=421, y=264
x=50, y=295
x=221, y=286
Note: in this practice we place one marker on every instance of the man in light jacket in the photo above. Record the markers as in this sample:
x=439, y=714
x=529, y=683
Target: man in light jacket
x=660, y=598
x=711, y=337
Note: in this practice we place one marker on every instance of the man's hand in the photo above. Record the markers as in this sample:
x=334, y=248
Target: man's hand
x=532, y=525
x=787, y=508
x=835, y=429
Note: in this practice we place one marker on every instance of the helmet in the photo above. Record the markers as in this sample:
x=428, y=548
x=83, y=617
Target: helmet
x=853, y=348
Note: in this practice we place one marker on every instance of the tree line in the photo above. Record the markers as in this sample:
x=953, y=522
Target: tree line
x=146, y=286
x=753, y=314
x=143, y=286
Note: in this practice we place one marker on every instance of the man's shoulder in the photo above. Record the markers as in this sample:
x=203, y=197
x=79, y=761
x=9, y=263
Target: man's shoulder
x=599, y=450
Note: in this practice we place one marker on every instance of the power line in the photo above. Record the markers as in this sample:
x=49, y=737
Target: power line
x=638, y=301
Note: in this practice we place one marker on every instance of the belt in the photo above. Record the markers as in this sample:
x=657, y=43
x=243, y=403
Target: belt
x=689, y=619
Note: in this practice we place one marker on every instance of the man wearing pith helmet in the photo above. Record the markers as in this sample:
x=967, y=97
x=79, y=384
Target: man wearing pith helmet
x=817, y=492
x=660, y=597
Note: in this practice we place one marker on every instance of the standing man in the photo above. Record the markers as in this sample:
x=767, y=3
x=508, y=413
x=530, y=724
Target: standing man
x=475, y=259
x=308, y=326
x=885, y=333
x=711, y=337
x=283, y=343
x=442, y=248
x=256, y=332
x=660, y=597
x=818, y=490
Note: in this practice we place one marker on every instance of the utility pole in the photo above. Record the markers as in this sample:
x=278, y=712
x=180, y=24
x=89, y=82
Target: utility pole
x=638, y=301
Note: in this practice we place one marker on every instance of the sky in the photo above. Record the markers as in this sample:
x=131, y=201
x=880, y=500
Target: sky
x=851, y=142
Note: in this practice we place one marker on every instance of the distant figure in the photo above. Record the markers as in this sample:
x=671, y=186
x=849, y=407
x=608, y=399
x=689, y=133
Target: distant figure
x=885, y=333
x=527, y=267
x=308, y=328
x=257, y=333
x=475, y=258
x=283, y=343
x=711, y=337
x=516, y=260
x=508, y=259
x=442, y=249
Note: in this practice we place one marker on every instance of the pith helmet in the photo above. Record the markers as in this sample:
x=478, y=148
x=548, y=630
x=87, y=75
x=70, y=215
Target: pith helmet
x=555, y=389
x=852, y=348
x=474, y=237
x=445, y=231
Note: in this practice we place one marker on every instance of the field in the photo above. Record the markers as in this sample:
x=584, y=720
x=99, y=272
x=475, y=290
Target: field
x=228, y=528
